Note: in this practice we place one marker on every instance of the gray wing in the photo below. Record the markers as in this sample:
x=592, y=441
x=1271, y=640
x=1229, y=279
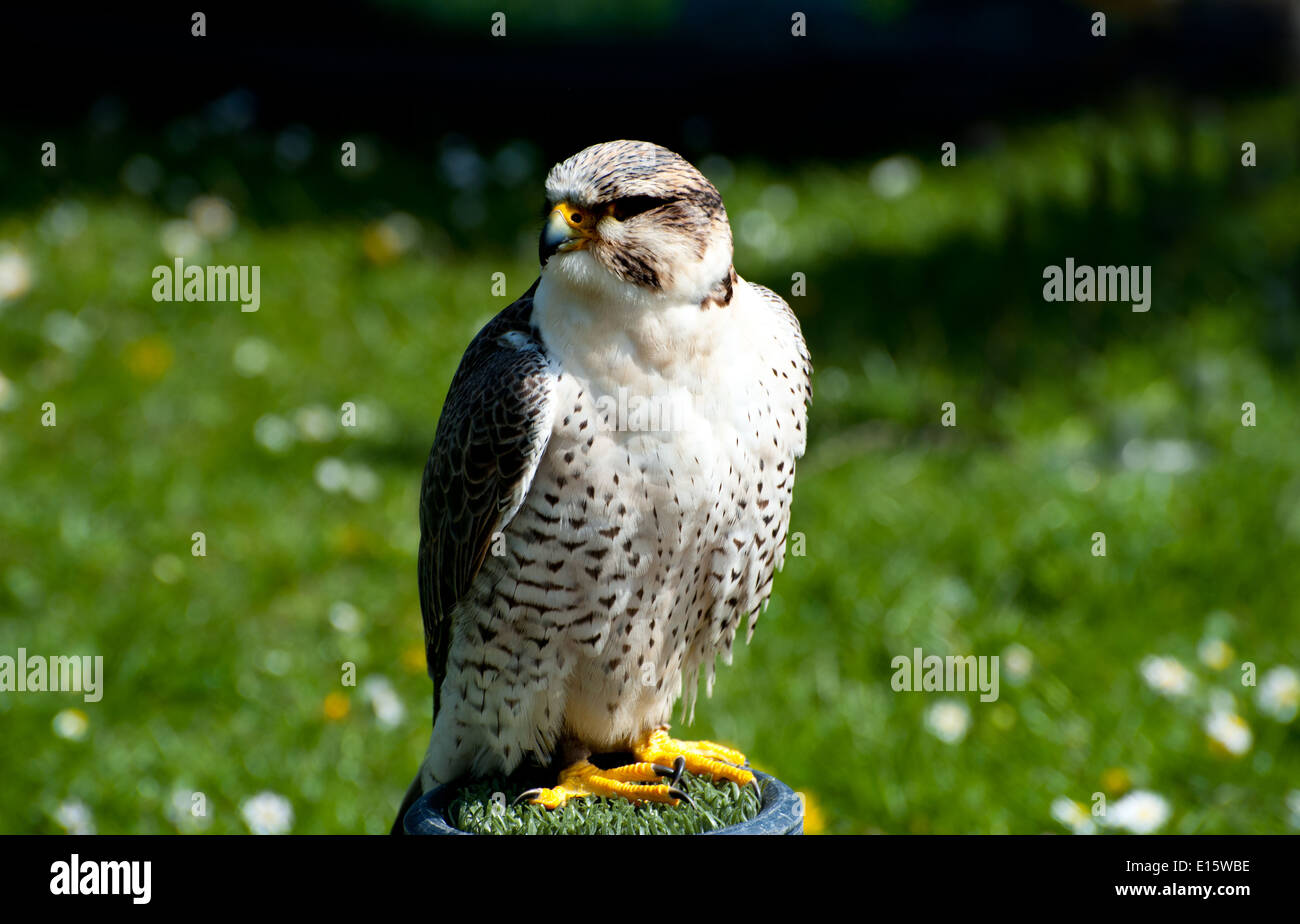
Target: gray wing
x=494, y=427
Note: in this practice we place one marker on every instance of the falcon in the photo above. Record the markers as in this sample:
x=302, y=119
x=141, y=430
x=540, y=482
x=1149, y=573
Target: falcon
x=581, y=564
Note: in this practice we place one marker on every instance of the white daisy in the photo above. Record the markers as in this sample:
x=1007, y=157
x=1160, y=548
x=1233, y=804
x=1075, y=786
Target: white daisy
x=363, y=483
x=268, y=813
x=1229, y=730
x=74, y=816
x=1279, y=693
x=274, y=434
x=387, y=704
x=331, y=475
x=15, y=275
x=1167, y=676
x=894, y=177
x=71, y=724
x=212, y=217
x=373, y=418
x=1017, y=661
x=1073, y=815
x=252, y=356
x=948, y=721
x=277, y=662
x=1168, y=457
x=345, y=617
x=64, y=221
x=1215, y=653
x=185, y=811
x=180, y=238
x=315, y=423
x=1141, y=812
x=66, y=331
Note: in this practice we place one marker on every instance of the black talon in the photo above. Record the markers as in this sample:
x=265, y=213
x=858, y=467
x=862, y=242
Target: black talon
x=680, y=794
x=758, y=790
x=526, y=795
x=675, y=771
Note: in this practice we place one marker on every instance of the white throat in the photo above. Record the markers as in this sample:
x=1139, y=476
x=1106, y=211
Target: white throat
x=612, y=333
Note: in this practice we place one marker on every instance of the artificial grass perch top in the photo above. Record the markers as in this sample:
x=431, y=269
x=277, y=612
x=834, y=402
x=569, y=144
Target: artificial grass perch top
x=717, y=805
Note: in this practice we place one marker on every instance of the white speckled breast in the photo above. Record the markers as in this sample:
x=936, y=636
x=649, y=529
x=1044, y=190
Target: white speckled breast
x=637, y=551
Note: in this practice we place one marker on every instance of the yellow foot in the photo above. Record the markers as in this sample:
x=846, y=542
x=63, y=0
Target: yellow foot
x=719, y=761
x=586, y=779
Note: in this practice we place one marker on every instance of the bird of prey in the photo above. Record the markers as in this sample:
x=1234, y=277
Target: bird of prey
x=581, y=563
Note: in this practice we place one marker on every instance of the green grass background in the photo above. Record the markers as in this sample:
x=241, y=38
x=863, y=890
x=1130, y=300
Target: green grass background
x=223, y=672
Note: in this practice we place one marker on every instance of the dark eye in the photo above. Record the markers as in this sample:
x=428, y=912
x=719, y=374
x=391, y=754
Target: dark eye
x=629, y=206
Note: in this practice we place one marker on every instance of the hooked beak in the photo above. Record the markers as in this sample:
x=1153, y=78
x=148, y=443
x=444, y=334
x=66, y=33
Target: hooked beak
x=567, y=228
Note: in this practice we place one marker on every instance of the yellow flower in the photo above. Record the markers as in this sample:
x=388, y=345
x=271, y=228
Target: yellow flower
x=413, y=658
x=336, y=706
x=349, y=540
x=149, y=359
x=814, y=822
x=1003, y=717
x=1115, y=781
x=384, y=241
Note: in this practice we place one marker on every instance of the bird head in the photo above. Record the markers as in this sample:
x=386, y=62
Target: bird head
x=633, y=219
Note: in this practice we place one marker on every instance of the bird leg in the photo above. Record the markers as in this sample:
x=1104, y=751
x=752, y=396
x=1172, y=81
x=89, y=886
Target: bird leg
x=632, y=782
